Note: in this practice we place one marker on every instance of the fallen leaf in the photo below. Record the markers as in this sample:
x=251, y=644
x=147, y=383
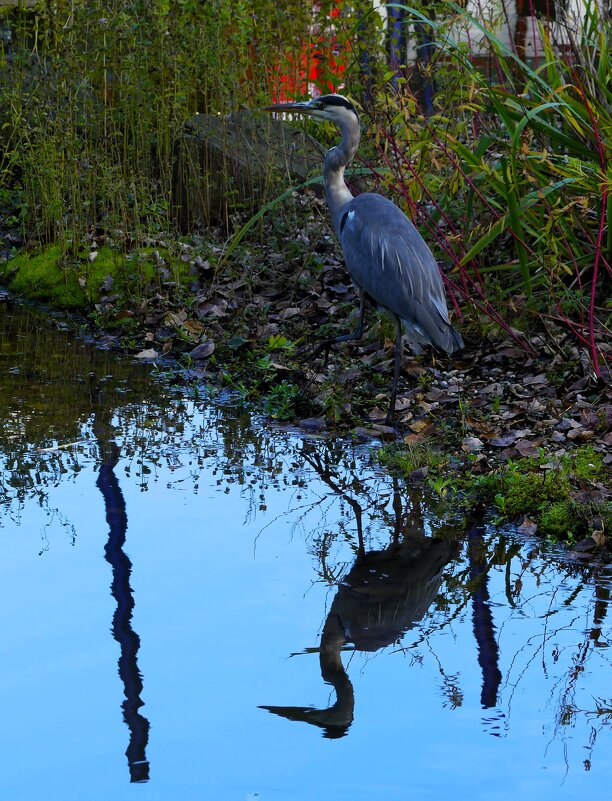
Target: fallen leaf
x=419, y=475
x=402, y=404
x=503, y=442
x=193, y=326
x=535, y=379
x=313, y=424
x=600, y=538
x=363, y=433
x=472, y=444
x=419, y=426
x=526, y=448
x=213, y=309
x=386, y=432
x=413, y=439
x=586, y=545
x=527, y=527
x=287, y=314
x=203, y=350
x=148, y=353
x=175, y=319
x=201, y=264
x=580, y=433
x=237, y=342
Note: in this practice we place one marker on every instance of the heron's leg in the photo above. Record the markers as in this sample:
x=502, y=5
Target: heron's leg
x=399, y=349
x=357, y=334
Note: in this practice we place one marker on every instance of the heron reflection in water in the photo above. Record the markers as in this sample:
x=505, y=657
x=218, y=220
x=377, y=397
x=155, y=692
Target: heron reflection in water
x=385, y=593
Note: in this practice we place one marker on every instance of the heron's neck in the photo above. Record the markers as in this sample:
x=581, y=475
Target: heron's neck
x=337, y=192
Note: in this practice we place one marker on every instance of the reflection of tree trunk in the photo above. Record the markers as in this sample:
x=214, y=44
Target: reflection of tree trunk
x=484, y=630
x=602, y=604
x=129, y=641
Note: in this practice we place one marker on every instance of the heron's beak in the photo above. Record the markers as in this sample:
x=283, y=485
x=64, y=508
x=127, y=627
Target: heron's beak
x=305, y=107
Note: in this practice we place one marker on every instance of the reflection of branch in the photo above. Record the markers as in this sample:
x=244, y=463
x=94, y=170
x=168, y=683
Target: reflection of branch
x=314, y=460
x=129, y=641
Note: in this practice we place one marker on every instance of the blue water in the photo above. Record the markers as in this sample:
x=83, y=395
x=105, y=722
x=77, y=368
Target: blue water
x=176, y=566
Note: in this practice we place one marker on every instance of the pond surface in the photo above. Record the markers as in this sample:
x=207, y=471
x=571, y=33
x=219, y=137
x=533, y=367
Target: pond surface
x=197, y=606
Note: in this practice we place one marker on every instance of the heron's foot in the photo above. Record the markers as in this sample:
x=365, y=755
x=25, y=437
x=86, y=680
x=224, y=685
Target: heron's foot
x=323, y=347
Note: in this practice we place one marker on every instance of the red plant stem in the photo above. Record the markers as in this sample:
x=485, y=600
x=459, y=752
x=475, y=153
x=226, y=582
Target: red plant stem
x=602, y=224
x=464, y=291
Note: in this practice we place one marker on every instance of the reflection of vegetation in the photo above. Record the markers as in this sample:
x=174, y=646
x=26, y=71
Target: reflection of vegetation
x=550, y=615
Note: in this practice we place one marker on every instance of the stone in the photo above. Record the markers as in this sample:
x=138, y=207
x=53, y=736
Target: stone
x=222, y=164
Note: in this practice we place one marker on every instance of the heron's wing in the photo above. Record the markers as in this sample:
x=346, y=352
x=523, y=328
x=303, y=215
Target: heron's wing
x=388, y=258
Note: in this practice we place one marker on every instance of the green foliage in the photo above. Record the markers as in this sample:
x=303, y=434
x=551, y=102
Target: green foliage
x=586, y=464
x=530, y=492
x=408, y=458
x=95, y=93
x=514, y=164
x=518, y=489
x=280, y=401
x=559, y=519
x=47, y=276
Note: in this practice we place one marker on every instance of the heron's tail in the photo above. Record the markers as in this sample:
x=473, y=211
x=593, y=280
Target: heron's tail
x=453, y=340
x=432, y=330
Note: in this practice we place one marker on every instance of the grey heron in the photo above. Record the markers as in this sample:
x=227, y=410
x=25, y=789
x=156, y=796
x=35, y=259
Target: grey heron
x=387, y=258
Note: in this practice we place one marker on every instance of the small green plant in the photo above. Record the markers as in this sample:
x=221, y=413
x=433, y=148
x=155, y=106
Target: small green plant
x=441, y=486
x=278, y=342
x=559, y=519
x=280, y=402
x=501, y=503
x=408, y=458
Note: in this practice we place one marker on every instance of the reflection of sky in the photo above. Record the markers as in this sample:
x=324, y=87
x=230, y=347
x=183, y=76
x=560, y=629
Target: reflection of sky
x=218, y=618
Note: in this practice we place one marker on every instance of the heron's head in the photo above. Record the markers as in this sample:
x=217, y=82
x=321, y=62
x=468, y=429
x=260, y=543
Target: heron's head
x=333, y=108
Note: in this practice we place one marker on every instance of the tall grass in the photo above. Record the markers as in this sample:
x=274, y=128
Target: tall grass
x=94, y=94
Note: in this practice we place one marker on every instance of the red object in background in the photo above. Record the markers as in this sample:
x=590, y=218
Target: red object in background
x=320, y=62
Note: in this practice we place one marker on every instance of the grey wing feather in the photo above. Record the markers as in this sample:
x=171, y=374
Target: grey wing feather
x=388, y=258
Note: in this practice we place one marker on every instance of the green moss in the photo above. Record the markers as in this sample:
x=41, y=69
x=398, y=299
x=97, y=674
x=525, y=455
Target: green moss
x=45, y=276
x=50, y=277
x=559, y=519
x=587, y=464
x=520, y=488
x=527, y=492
